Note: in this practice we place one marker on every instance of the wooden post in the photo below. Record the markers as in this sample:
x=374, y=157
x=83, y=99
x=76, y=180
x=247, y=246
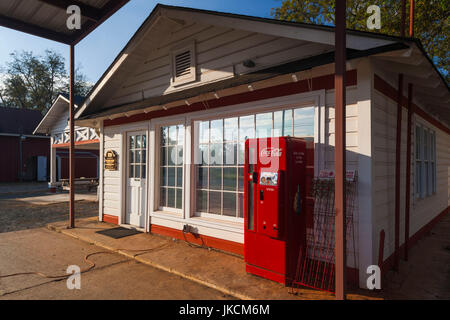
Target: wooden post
x=72, y=140
x=339, y=151
x=397, y=170
x=408, y=168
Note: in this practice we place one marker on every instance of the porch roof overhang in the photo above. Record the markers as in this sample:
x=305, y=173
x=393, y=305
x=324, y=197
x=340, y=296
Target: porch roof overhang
x=237, y=84
x=392, y=53
x=47, y=18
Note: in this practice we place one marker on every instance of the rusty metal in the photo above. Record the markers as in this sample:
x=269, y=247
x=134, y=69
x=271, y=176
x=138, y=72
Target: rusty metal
x=411, y=18
x=397, y=169
x=408, y=168
x=72, y=140
x=339, y=152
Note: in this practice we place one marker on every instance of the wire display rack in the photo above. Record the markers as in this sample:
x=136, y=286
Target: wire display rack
x=315, y=268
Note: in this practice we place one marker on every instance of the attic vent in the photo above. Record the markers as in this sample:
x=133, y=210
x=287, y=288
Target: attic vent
x=183, y=65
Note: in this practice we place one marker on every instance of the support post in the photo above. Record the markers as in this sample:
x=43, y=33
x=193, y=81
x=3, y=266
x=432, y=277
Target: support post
x=411, y=18
x=403, y=26
x=408, y=168
x=397, y=170
x=72, y=140
x=339, y=152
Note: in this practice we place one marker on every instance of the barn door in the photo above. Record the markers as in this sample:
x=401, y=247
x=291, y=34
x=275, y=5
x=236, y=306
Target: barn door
x=136, y=178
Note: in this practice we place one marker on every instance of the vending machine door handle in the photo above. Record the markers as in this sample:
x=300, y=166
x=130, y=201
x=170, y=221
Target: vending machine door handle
x=255, y=177
x=261, y=195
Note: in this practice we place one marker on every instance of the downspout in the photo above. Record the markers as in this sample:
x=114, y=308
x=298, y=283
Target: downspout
x=408, y=168
x=339, y=151
x=397, y=170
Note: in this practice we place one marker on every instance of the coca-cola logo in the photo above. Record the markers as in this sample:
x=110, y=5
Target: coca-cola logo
x=271, y=152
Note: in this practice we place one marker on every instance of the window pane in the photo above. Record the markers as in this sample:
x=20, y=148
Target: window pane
x=216, y=131
x=231, y=129
x=204, y=132
x=417, y=142
x=179, y=199
x=131, y=173
x=143, y=171
x=137, y=156
x=203, y=154
x=304, y=122
x=144, y=141
x=173, y=135
x=132, y=146
x=229, y=179
x=137, y=171
x=425, y=145
x=171, y=197
x=230, y=154
x=179, y=159
x=163, y=177
x=241, y=156
x=164, y=136
x=162, y=197
x=179, y=177
x=241, y=179
x=172, y=156
x=246, y=128
x=229, y=204
x=131, y=156
x=282, y=123
x=215, y=178
x=215, y=154
x=263, y=125
x=163, y=156
x=171, y=177
x=202, y=178
x=180, y=134
x=240, y=205
x=214, y=202
x=202, y=201
x=144, y=156
x=138, y=141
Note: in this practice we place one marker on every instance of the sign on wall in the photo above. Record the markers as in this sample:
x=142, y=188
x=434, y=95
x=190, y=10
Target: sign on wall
x=111, y=160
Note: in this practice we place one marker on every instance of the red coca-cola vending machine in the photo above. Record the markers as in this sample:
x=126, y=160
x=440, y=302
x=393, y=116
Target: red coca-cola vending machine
x=275, y=226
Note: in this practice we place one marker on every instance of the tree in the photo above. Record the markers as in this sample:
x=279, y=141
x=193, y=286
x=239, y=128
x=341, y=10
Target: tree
x=431, y=22
x=33, y=82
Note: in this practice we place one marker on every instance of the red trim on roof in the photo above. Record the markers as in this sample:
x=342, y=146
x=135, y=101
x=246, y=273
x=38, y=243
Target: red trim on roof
x=318, y=83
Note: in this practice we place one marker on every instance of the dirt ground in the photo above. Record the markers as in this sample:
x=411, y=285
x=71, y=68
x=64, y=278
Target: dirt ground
x=16, y=215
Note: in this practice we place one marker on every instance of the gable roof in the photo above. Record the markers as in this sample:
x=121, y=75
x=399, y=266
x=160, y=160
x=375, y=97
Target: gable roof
x=18, y=121
x=59, y=107
x=359, y=44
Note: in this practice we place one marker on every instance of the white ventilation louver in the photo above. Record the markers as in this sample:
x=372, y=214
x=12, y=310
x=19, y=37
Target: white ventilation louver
x=183, y=65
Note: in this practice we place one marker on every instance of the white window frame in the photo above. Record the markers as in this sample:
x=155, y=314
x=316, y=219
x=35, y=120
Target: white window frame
x=427, y=162
x=314, y=99
x=156, y=128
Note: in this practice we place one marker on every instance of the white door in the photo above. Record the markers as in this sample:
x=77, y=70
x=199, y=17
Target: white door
x=41, y=168
x=136, y=178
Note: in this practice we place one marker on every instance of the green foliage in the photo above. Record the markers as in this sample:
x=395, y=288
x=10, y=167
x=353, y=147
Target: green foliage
x=431, y=24
x=33, y=82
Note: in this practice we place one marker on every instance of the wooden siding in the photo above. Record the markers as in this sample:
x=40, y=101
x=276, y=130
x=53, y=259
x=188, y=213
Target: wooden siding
x=112, y=179
x=422, y=211
x=219, y=55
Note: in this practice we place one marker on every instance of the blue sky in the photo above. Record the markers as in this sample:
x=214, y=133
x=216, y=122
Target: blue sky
x=95, y=53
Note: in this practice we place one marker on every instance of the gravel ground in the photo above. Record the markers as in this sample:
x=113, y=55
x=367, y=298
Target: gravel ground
x=16, y=215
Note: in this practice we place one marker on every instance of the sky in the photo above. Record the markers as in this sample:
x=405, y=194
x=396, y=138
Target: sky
x=95, y=53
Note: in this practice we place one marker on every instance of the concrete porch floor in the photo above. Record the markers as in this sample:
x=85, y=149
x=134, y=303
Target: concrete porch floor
x=218, y=270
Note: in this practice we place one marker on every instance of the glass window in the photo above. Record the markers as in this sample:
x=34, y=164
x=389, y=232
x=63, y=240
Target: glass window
x=171, y=167
x=425, y=172
x=137, y=156
x=220, y=154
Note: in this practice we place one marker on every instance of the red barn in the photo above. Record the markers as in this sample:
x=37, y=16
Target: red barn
x=24, y=157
